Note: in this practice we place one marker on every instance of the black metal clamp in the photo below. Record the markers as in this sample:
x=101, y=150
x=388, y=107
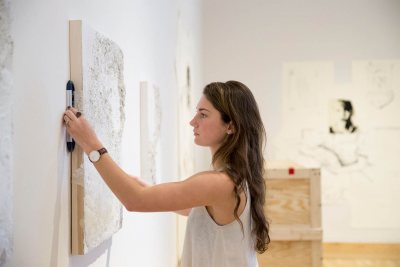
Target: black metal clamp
x=70, y=103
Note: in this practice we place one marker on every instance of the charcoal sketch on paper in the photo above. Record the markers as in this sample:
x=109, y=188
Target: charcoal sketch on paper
x=101, y=97
x=381, y=79
x=350, y=131
x=184, y=80
x=150, y=133
x=340, y=117
x=6, y=134
x=185, y=133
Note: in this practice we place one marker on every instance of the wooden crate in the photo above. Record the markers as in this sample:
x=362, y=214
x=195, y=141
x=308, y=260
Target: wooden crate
x=293, y=208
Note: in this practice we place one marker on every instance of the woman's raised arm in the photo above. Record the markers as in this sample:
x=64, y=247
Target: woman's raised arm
x=202, y=189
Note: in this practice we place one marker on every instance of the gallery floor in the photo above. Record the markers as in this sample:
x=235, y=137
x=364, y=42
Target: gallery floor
x=360, y=255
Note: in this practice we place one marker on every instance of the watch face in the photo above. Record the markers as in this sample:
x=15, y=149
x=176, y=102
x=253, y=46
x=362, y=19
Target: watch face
x=94, y=156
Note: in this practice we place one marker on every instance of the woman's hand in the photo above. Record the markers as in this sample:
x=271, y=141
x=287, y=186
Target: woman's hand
x=81, y=131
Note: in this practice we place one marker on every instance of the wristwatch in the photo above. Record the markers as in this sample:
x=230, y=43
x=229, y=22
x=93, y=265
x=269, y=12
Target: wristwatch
x=94, y=156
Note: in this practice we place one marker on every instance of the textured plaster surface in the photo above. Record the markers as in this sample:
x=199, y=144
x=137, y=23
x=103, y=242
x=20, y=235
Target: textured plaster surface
x=103, y=103
x=6, y=133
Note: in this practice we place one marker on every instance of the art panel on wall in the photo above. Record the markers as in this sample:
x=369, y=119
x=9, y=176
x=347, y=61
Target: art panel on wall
x=350, y=130
x=97, y=72
x=377, y=85
x=183, y=72
x=6, y=134
x=184, y=79
x=150, y=133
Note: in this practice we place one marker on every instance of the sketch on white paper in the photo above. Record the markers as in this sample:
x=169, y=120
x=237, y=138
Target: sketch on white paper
x=183, y=72
x=102, y=100
x=150, y=133
x=185, y=133
x=378, y=87
x=381, y=83
x=304, y=95
x=378, y=188
x=6, y=134
x=350, y=131
x=184, y=80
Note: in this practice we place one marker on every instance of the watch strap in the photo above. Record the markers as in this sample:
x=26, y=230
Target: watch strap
x=102, y=151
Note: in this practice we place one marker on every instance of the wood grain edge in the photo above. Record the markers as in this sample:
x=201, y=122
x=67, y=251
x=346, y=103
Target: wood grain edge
x=77, y=190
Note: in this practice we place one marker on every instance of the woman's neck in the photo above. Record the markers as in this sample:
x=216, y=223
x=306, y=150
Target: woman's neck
x=218, y=165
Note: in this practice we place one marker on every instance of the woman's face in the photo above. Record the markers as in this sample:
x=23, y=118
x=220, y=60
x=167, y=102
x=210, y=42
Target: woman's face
x=208, y=127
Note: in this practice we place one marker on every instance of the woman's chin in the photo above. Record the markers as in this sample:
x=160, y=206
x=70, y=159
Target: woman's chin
x=198, y=142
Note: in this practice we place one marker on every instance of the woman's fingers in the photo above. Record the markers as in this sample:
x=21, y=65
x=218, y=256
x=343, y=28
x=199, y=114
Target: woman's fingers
x=79, y=128
x=66, y=120
x=74, y=110
x=71, y=115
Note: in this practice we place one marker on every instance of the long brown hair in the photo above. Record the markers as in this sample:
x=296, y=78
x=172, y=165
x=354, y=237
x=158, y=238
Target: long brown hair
x=241, y=152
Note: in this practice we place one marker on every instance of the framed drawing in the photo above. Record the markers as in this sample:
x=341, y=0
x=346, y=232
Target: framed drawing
x=97, y=72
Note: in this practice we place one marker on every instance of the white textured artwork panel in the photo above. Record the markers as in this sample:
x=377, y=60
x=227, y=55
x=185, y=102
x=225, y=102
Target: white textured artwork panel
x=150, y=133
x=6, y=134
x=102, y=101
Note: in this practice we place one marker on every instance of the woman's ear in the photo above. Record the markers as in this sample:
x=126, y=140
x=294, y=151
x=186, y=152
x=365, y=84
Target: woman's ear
x=231, y=129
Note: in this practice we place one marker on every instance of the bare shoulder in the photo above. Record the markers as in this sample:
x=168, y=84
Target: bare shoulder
x=214, y=181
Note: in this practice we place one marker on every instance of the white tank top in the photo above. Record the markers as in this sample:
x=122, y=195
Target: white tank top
x=208, y=244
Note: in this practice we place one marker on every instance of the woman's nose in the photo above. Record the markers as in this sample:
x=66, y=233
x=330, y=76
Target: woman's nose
x=193, y=122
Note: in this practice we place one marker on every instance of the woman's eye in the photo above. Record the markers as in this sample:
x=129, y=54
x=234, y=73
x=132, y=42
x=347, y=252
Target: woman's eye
x=201, y=115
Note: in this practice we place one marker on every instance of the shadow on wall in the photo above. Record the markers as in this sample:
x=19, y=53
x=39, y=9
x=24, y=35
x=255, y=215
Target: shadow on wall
x=92, y=256
x=62, y=173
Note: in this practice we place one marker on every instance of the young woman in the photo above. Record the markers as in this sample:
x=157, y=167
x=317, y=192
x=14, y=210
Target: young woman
x=226, y=224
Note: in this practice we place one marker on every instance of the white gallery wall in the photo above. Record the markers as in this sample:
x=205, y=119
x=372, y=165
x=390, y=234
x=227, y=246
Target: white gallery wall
x=294, y=55
x=6, y=133
x=147, y=33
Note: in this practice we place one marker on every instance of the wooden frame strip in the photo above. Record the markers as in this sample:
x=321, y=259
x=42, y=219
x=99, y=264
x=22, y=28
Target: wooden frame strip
x=77, y=192
x=315, y=198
